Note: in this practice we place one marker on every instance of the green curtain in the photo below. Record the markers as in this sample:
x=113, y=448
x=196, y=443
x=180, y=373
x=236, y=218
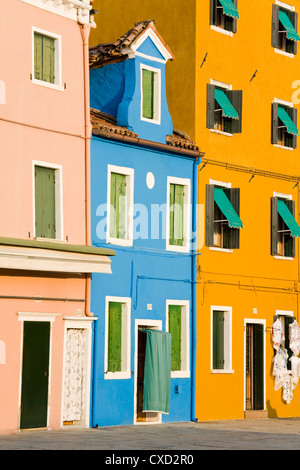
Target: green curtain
x=157, y=371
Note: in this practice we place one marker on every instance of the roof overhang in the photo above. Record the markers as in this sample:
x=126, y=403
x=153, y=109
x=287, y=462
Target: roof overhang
x=46, y=256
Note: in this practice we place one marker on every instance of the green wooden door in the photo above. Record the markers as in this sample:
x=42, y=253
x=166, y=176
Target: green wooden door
x=175, y=330
x=45, y=226
x=35, y=372
x=114, y=359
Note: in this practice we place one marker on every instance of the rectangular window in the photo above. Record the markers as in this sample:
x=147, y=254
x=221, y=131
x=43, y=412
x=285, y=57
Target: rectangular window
x=178, y=325
x=286, y=319
x=284, y=227
x=284, y=125
x=224, y=14
x=117, y=362
x=45, y=207
x=221, y=339
x=178, y=213
x=224, y=109
x=120, y=205
x=223, y=223
x=284, y=29
x=150, y=94
x=46, y=63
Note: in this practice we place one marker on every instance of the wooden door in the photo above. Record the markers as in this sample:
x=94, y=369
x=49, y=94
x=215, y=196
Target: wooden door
x=255, y=367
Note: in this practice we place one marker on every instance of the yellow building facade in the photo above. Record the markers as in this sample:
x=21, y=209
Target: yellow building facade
x=234, y=88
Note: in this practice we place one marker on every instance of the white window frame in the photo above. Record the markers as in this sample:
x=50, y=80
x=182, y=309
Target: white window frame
x=157, y=94
x=186, y=182
x=227, y=339
x=125, y=373
x=58, y=85
x=185, y=336
x=288, y=197
x=224, y=185
x=58, y=198
x=129, y=173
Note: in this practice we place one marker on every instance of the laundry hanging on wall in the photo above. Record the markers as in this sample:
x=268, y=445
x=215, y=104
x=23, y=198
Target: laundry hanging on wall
x=157, y=371
x=285, y=378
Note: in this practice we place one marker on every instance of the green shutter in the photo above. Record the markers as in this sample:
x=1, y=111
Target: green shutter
x=176, y=214
x=148, y=94
x=114, y=356
x=118, y=205
x=175, y=330
x=218, y=340
x=45, y=226
x=44, y=54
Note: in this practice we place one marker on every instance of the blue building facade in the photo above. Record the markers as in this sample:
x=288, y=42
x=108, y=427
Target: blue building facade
x=143, y=197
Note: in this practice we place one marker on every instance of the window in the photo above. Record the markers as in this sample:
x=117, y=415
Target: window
x=284, y=29
x=117, y=363
x=284, y=125
x=284, y=227
x=120, y=205
x=221, y=339
x=150, y=89
x=222, y=217
x=178, y=326
x=224, y=14
x=224, y=109
x=286, y=318
x=46, y=59
x=178, y=214
x=47, y=201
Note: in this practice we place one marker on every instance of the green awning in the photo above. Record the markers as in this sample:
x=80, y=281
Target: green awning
x=226, y=207
x=157, y=371
x=291, y=33
x=229, y=8
x=287, y=121
x=227, y=108
x=288, y=218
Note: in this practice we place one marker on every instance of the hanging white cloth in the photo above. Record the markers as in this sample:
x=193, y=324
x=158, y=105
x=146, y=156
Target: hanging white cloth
x=277, y=334
x=294, y=335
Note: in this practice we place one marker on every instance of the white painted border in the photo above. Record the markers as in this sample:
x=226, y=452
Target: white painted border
x=227, y=339
x=58, y=197
x=260, y=322
x=126, y=339
x=35, y=316
x=157, y=94
x=186, y=214
x=57, y=61
x=151, y=34
x=129, y=172
x=156, y=324
x=79, y=323
x=285, y=5
x=185, y=336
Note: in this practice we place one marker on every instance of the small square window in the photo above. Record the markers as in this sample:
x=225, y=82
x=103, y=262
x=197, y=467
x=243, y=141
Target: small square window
x=221, y=339
x=224, y=109
x=150, y=94
x=284, y=227
x=46, y=59
x=224, y=15
x=284, y=125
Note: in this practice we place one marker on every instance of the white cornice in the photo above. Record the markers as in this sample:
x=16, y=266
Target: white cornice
x=77, y=10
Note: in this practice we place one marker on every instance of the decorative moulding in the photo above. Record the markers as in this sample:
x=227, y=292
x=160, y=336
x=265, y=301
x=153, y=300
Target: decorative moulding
x=77, y=10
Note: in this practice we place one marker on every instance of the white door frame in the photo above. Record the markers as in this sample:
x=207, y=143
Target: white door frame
x=157, y=325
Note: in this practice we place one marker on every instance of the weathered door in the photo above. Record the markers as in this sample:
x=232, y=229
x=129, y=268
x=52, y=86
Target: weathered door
x=35, y=375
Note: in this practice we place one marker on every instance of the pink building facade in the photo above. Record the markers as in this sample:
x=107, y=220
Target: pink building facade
x=46, y=258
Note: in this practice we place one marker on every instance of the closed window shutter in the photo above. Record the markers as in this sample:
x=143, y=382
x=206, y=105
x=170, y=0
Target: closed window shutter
x=118, y=206
x=210, y=107
x=234, y=233
x=290, y=244
x=275, y=26
x=234, y=22
x=48, y=59
x=293, y=114
x=236, y=99
x=295, y=23
x=218, y=340
x=274, y=226
x=38, y=56
x=148, y=93
x=114, y=356
x=274, y=123
x=45, y=226
x=176, y=214
x=209, y=225
x=175, y=330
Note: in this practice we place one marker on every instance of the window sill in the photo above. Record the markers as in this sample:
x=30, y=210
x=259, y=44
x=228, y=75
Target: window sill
x=180, y=374
x=53, y=86
x=216, y=131
x=283, y=147
x=221, y=30
x=117, y=375
x=178, y=249
x=54, y=240
x=286, y=54
x=119, y=241
x=224, y=250
x=222, y=371
x=288, y=258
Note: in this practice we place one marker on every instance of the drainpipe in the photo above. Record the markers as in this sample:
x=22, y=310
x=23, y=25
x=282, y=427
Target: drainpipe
x=85, y=32
x=194, y=287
